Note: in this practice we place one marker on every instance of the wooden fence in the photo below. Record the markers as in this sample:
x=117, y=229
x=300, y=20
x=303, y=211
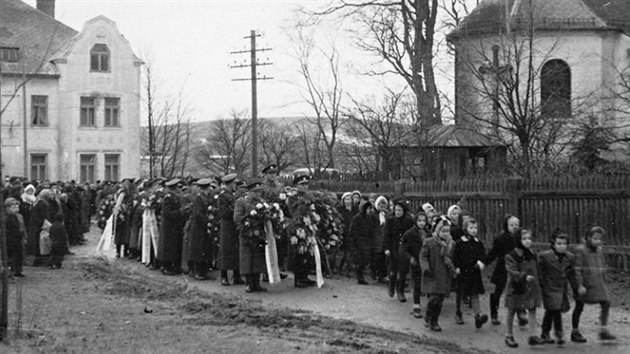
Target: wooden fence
x=571, y=203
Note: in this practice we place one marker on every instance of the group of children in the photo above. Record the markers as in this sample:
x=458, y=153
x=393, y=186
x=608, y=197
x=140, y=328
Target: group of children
x=444, y=253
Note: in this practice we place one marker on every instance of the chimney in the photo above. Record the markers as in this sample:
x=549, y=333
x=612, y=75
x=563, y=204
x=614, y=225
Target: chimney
x=47, y=7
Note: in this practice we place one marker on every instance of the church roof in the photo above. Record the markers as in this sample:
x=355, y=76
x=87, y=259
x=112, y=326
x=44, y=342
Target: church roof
x=489, y=16
x=37, y=35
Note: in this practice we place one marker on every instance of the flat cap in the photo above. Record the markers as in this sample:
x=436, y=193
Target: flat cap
x=204, y=182
x=270, y=169
x=254, y=184
x=303, y=179
x=229, y=178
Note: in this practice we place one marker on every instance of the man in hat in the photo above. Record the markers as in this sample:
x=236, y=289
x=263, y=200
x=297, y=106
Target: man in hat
x=300, y=261
x=228, y=244
x=251, y=247
x=199, y=244
x=172, y=229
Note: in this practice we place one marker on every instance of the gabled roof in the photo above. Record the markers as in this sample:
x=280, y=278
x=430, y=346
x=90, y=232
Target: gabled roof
x=451, y=136
x=37, y=35
x=489, y=17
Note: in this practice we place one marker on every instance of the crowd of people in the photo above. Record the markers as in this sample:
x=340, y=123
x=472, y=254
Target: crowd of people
x=260, y=229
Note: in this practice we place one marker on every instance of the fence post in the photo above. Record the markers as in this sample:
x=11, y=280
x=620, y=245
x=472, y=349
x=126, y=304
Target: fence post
x=514, y=185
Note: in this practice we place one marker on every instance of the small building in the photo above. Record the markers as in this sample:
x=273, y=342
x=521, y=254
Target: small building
x=449, y=152
x=70, y=99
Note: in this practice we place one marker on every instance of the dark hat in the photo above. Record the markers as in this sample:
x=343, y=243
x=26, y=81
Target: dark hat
x=214, y=183
x=131, y=180
x=253, y=184
x=241, y=184
x=270, y=169
x=303, y=179
x=229, y=178
x=172, y=182
x=204, y=182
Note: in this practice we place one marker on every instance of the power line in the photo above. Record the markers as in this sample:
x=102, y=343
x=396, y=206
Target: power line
x=254, y=77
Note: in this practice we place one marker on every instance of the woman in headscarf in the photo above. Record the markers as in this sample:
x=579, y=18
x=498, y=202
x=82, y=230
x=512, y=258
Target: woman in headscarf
x=397, y=224
x=27, y=201
x=347, y=210
x=360, y=239
x=379, y=218
x=39, y=213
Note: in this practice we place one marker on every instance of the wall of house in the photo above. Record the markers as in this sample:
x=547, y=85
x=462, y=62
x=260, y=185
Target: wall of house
x=122, y=81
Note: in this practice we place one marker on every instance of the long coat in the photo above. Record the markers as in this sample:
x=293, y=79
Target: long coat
x=436, y=266
x=411, y=243
x=39, y=213
x=251, y=253
x=228, y=243
x=518, y=268
x=502, y=245
x=394, y=230
x=555, y=274
x=123, y=221
x=199, y=240
x=361, y=236
x=171, y=230
x=589, y=266
x=346, y=217
x=136, y=225
x=466, y=253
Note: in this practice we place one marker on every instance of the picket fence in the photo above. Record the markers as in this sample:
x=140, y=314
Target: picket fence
x=571, y=203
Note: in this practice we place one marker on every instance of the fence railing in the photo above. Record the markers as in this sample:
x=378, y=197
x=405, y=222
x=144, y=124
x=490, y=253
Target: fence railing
x=571, y=203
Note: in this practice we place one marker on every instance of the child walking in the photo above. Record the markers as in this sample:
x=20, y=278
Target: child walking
x=59, y=238
x=410, y=246
x=468, y=256
x=523, y=291
x=591, y=287
x=438, y=268
x=556, y=269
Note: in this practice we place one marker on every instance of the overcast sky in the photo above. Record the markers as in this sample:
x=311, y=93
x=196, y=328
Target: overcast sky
x=188, y=43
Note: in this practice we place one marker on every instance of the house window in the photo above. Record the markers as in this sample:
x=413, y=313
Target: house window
x=39, y=111
x=99, y=58
x=112, y=167
x=112, y=107
x=88, y=107
x=555, y=89
x=9, y=54
x=87, y=168
x=39, y=168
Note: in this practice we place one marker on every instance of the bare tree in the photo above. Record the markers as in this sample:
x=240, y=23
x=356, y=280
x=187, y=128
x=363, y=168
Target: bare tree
x=278, y=145
x=382, y=126
x=227, y=145
x=323, y=94
x=400, y=33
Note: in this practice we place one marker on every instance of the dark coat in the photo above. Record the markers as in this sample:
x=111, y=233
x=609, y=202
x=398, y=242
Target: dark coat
x=502, y=245
x=521, y=294
x=228, y=243
x=59, y=238
x=394, y=230
x=361, y=236
x=136, y=225
x=199, y=240
x=436, y=265
x=346, y=217
x=251, y=253
x=466, y=253
x=122, y=235
x=171, y=230
x=16, y=236
x=411, y=243
x=589, y=267
x=379, y=231
x=555, y=273
x=39, y=213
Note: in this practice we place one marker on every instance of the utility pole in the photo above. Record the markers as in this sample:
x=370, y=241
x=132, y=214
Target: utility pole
x=253, y=64
x=4, y=267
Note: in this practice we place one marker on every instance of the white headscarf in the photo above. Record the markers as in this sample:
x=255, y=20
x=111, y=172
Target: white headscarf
x=381, y=214
x=29, y=198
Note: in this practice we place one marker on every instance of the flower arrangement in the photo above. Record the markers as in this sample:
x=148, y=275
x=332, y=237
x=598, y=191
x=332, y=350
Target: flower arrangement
x=318, y=222
x=253, y=224
x=105, y=209
x=214, y=222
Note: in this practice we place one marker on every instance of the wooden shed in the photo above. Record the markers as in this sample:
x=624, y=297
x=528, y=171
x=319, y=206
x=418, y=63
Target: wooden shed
x=449, y=152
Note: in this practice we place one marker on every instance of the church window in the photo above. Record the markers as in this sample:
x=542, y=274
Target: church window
x=555, y=89
x=99, y=58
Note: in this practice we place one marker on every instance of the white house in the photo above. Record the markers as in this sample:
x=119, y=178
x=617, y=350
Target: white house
x=70, y=100
x=578, y=50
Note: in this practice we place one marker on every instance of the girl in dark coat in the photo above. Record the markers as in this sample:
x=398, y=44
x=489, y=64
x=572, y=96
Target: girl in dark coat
x=410, y=246
x=361, y=238
x=556, y=268
x=468, y=255
x=398, y=264
x=16, y=236
x=523, y=291
x=502, y=245
x=59, y=238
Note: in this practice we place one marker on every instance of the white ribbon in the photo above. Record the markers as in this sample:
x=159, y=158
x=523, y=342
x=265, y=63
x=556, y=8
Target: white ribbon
x=271, y=255
x=318, y=265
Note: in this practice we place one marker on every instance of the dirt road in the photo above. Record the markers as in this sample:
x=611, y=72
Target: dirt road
x=101, y=304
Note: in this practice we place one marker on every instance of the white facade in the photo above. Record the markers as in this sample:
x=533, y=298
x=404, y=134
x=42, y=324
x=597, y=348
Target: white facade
x=69, y=145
